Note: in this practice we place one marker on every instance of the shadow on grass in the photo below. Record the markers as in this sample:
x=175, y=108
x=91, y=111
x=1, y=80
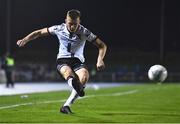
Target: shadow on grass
x=90, y=119
x=150, y=114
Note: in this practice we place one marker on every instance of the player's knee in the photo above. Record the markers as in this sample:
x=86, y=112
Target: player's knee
x=84, y=78
x=66, y=71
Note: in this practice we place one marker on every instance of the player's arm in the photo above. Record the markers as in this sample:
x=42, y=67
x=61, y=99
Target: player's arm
x=32, y=36
x=102, y=51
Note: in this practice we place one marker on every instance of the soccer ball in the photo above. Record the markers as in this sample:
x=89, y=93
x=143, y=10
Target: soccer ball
x=157, y=73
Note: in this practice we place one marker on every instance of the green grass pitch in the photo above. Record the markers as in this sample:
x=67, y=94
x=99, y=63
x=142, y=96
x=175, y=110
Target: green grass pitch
x=141, y=103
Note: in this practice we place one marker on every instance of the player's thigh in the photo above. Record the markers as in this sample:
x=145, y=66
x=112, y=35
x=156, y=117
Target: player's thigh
x=83, y=75
x=66, y=71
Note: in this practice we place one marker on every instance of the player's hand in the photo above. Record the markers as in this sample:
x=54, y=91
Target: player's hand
x=21, y=43
x=100, y=65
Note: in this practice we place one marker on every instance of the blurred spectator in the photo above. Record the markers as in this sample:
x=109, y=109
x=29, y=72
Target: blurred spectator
x=2, y=73
x=8, y=65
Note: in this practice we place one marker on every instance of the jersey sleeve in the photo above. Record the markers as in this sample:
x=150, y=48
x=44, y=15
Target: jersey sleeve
x=53, y=29
x=89, y=35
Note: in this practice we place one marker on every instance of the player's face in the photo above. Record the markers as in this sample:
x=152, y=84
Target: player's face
x=72, y=25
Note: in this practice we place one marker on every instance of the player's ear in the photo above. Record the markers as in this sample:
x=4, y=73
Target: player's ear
x=79, y=20
x=65, y=20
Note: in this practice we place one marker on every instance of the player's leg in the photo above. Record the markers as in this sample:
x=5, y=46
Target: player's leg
x=71, y=98
x=72, y=80
x=83, y=75
x=68, y=75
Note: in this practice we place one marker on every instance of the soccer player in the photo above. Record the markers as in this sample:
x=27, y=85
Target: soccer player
x=72, y=37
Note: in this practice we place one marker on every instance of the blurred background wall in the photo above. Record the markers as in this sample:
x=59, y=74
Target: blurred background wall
x=138, y=33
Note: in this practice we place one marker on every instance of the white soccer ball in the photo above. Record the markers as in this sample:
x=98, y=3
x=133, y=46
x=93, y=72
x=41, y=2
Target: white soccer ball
x=157, y=73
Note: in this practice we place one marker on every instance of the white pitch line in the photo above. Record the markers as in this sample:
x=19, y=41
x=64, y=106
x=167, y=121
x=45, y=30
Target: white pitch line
x=54, y=101
x=114, y=94
x=17, y=105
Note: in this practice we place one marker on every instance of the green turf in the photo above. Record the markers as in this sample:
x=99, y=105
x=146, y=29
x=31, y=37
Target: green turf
x=142, y=103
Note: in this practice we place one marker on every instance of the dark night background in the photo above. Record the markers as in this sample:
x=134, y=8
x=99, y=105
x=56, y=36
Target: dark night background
x=130, y=28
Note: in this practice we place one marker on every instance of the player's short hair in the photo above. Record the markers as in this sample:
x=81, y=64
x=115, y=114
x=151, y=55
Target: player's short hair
x=74, y=14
